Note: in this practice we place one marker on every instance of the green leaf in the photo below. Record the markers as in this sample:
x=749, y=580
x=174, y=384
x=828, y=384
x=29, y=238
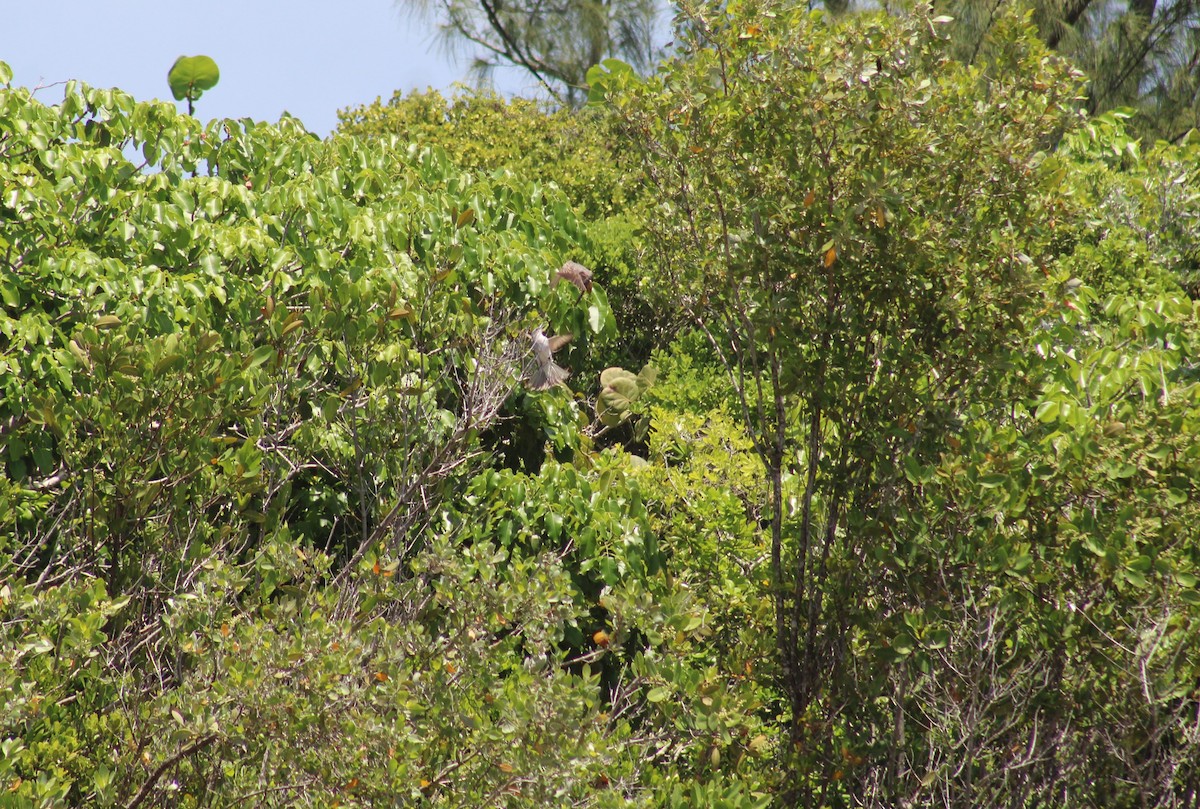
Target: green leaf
x=658, y=694
x=167, y=363
x=915, y=472
x=647, y=377
x=190, y=76
x=610, y=376
x=937, y=639
x=1134, y=577
x=1047, y=411
x=620, y=394
x=261, y=355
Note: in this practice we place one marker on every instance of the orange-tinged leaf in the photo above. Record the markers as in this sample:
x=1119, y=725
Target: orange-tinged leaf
x=504, y=767
x=809, y=199
x=352, y=783
x=375, y=567
x=224, y=630
x=382, y=676
x=830, y=256
x=601, y=638
x=451, y=668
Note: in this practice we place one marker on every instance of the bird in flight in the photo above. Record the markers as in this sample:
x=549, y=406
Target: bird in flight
x=544, y=373
x=576, y=274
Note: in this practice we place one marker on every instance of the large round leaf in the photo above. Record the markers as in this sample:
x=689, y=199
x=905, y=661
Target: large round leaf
x=190, y=76
x=611, y=377
x=619, y=389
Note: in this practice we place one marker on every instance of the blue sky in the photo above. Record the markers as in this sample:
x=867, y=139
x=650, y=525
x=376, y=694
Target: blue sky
x=307, y=57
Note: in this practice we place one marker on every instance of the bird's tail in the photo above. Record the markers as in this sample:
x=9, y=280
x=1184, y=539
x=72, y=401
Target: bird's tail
x=544, y=377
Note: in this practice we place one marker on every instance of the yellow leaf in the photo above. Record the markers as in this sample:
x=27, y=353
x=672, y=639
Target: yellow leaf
x=830, y=256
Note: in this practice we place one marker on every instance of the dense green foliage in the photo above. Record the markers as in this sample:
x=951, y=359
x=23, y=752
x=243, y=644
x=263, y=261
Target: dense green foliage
x=889, y=344
x=248, y=386
x=1141, y=54
x=583, y=154
x=874, y=484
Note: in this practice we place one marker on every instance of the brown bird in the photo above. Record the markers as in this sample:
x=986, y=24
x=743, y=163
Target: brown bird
x=577, y=274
